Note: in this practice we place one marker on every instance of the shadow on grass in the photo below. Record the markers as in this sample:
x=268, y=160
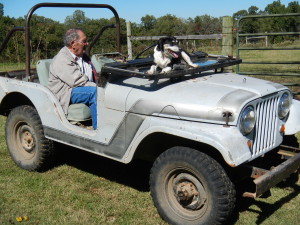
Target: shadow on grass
x=265, y=209
x=136, y=175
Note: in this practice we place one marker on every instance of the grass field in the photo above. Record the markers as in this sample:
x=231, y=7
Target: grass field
x=86, y=189
x=12, y=66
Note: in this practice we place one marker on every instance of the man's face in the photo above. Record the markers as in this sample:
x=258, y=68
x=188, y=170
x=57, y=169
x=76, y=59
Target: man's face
x=78, y=46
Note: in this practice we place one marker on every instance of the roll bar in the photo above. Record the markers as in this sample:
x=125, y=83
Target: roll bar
x=26, y=28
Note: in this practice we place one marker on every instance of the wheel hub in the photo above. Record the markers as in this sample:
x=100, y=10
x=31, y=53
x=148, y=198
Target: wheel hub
x=26, y=138
x=186, y=191
x=189, y=192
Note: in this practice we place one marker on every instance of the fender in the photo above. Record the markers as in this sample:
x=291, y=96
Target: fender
x=227, y=140
x=292, y=125
x=45, y=103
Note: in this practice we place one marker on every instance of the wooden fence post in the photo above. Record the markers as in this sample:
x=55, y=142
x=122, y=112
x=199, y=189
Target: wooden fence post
x=227, y=39
x=129, y=45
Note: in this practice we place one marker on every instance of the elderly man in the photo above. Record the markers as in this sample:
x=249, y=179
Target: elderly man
x=72, y=76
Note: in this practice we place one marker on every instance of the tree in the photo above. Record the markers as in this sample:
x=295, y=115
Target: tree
x=250, y=25
x=276, y=24
x=148, y=22
x=239, y=14
x=293, y=7
x=205, y=25
x=170, y=25
x=76, y=20
x=293, y=23
x=275, y=8
x=1, y=9
x=46, y=37
x=252, y=10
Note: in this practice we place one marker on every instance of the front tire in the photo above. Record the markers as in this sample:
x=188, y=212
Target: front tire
x=190, y=188
x=25, y=139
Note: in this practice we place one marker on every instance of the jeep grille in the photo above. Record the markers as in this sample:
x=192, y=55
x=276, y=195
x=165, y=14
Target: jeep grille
x=266, y=125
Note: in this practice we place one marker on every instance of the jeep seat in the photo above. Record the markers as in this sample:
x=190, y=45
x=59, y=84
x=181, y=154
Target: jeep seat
x=76, y=112
x=99, y=60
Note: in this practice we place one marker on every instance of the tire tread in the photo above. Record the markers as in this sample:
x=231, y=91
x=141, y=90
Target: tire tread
x=225, y=193
x=45, y=153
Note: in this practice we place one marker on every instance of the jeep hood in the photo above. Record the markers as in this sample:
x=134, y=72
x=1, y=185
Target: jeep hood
x=204, y=98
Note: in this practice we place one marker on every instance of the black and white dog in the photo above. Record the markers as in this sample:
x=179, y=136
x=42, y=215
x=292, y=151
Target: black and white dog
x=166, y=54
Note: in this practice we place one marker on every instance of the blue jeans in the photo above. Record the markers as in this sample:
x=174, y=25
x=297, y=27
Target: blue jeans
x=86, y=95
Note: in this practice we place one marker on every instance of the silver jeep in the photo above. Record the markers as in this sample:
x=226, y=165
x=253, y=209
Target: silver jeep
x=197, y=126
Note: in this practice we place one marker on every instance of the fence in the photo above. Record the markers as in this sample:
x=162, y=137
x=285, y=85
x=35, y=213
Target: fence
x=255, y=39
x=228, y=45
x=226, y=37
x=295, y=75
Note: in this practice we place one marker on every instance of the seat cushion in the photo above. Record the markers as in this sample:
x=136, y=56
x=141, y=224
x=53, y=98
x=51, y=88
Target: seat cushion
x=79, y=112
x=99, y=60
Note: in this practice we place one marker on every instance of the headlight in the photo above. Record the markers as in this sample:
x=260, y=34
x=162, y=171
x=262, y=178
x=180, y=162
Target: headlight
x=247, y=120
x=284, y=105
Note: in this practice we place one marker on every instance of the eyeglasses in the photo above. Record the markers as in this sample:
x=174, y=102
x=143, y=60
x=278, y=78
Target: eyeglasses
x=83, y=41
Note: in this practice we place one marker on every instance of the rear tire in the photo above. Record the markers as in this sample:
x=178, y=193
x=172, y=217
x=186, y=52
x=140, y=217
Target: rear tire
x=189, y=187
x=25, y=140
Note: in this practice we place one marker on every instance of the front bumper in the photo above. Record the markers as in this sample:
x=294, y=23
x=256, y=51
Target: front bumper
x=270, y=178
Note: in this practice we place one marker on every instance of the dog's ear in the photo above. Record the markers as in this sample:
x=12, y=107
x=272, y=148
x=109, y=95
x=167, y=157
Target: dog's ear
x=160, y=45
x=174, y=40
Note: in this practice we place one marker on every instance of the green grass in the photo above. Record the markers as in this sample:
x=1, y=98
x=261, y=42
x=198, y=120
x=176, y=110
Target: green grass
x=4, y=67
x=87, y=189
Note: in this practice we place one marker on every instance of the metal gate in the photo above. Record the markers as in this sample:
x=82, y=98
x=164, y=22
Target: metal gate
x=291, y=79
